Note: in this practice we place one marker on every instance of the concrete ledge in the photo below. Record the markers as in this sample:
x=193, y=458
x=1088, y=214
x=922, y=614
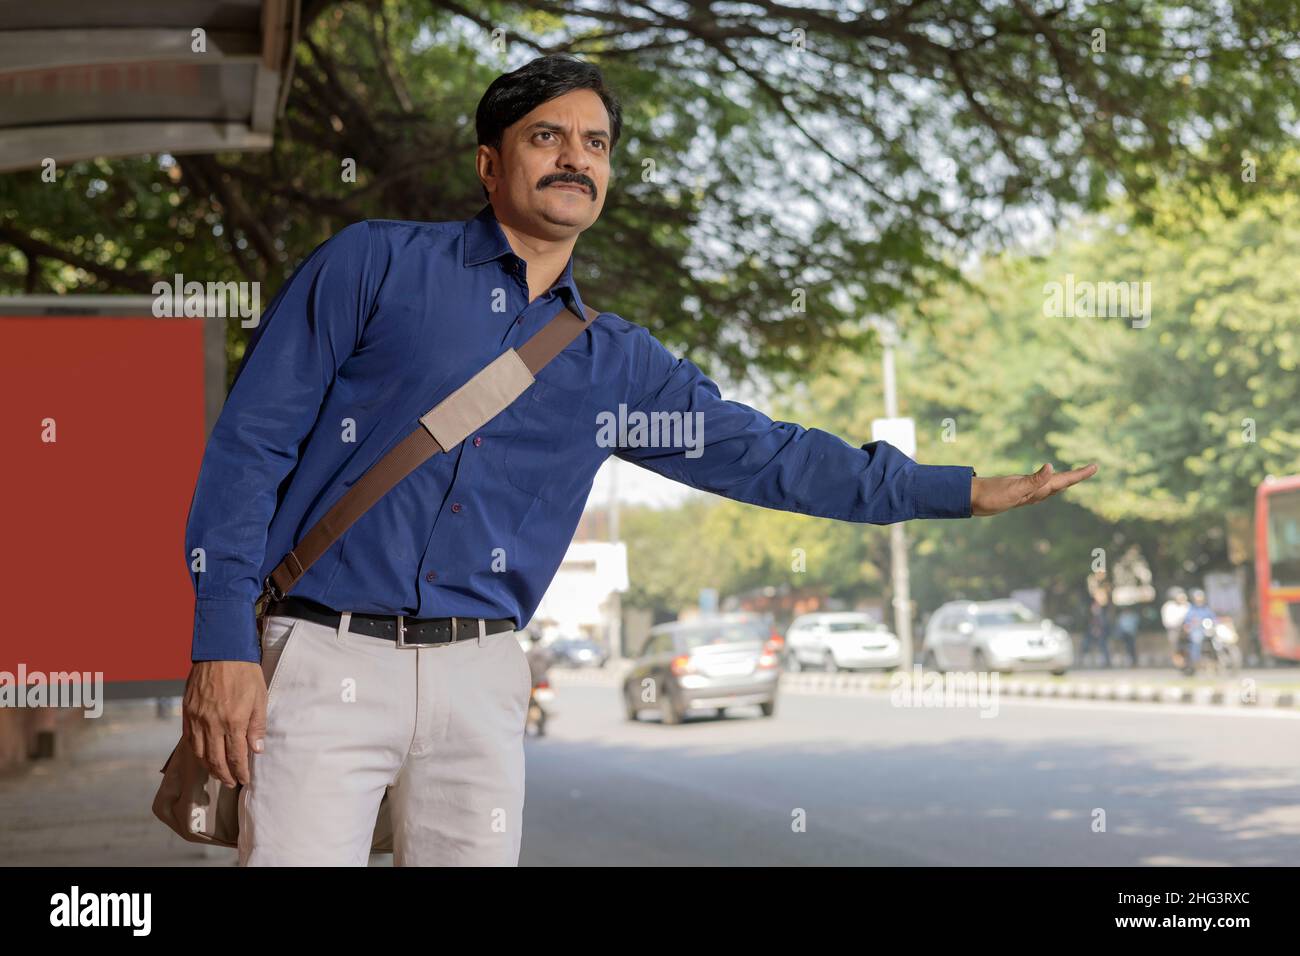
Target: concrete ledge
x=848, y=683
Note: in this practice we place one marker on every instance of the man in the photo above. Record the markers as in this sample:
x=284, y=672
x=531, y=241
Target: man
x=1172, y=614
x=1197, y=624
x=1098, y=632
x=378, y=324
x=540, y=659
x=1127, y=623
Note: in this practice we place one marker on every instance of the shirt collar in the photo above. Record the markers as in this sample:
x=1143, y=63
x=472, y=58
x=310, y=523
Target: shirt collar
x=485, y=241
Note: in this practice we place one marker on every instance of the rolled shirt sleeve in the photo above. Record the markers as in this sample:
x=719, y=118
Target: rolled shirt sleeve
x=740, y=453
x=305, y=335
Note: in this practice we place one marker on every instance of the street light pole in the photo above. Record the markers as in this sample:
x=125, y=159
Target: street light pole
x=616, y=599
x=897, y=535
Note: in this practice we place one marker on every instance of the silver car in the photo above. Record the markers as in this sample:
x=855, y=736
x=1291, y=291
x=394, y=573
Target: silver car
x=994, y=636
x=703, y=666
x=841, y=640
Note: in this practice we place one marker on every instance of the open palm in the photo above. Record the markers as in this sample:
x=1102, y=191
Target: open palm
x=990, y=496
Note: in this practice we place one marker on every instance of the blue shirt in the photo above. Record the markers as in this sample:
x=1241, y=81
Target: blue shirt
x=381, y=322
x=1196, y=613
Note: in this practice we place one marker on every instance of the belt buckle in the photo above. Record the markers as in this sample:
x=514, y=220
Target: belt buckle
x=402, y=641
x=401, y=633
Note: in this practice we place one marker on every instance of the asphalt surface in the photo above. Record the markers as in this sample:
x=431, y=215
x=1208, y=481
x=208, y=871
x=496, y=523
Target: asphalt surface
x=876, y=784
x=885, y=785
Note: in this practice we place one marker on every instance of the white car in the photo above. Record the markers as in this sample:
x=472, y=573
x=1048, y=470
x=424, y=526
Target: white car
x=840, y=640
x=994, y=636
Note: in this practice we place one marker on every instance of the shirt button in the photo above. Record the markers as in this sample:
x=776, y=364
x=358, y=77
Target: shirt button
x=478, y=440
x=519, y=320
x=431, y=576
x=455, y=506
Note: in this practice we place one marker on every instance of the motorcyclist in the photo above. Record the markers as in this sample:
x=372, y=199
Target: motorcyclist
x=540, y=657
x=1198, y=612
x=539, y=662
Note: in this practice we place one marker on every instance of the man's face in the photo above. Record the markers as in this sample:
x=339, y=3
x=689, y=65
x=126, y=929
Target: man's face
x=550, y=176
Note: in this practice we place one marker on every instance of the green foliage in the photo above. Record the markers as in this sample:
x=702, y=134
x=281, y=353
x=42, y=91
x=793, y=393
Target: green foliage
x=770, y=153
x=782, y=156
x=1185, y=415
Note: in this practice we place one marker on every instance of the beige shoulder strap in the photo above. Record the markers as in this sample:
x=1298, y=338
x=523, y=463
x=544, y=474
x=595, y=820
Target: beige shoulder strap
x=444, y=426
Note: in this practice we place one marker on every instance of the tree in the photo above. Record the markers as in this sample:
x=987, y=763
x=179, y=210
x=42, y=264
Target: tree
x=1187, y=413
x=786, y=169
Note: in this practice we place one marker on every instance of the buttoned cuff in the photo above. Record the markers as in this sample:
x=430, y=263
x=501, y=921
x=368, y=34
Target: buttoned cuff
x=225, y=630
x=940, y=491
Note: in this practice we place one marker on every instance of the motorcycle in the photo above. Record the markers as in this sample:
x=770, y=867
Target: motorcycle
x=538, y=703
x=1220, y=645
x=1227, y=647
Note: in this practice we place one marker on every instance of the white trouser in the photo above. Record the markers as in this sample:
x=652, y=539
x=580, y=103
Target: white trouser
x=349, y=715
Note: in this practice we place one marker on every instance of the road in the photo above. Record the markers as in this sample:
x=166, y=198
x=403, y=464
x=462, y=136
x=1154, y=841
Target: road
x=879, y=785
x=882, y=785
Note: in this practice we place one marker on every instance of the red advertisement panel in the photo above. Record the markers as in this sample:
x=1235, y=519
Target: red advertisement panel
x=101, y=433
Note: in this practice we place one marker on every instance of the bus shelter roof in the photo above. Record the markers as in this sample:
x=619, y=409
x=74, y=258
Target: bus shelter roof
x=81, y=79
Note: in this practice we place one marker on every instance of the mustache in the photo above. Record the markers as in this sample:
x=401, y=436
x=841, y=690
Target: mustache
x=576, y=179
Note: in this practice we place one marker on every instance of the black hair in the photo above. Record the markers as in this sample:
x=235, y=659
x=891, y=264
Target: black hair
x=512, y=96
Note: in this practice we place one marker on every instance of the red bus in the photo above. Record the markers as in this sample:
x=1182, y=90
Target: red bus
x=1277, y=565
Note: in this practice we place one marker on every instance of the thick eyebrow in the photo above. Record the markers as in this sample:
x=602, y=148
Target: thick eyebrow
x=557, y=128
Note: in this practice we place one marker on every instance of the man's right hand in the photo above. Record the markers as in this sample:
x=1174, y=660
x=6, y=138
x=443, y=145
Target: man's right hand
x=991, y=496
x=224, y=714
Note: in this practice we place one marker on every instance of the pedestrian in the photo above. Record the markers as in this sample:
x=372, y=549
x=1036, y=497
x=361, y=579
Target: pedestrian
x=393, y=672
x=1127, y=624
x=1172, y=614
x=1098, y=630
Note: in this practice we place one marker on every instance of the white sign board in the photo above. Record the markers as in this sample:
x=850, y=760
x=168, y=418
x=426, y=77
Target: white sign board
x=1225, y=592
x=1031, y=598
x=899, y=432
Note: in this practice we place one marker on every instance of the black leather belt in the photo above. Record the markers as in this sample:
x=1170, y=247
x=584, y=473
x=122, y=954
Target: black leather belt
x=405, y=631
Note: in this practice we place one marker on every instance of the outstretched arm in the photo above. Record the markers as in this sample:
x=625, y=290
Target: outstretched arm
x=742, y=454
